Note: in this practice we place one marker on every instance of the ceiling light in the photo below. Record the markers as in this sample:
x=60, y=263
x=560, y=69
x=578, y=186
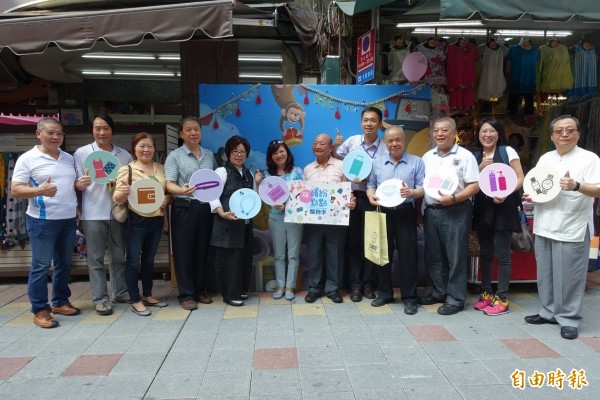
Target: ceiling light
x=274, y=58
x=515, y=32
x=254, y=22
x=96, y=72
x=450, y=31
x=438, y=23
x=144, y=73
x=261, y=76
x=174, y=57
x=120, y=56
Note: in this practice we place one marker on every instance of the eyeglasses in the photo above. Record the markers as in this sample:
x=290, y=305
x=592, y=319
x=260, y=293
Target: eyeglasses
x=568, y=131
x=238, y=152
x=272, y=142
x=52, y=133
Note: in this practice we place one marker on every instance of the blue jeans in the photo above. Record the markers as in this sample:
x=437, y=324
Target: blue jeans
x=287, y=238
x=142, y=235
x=49, y=238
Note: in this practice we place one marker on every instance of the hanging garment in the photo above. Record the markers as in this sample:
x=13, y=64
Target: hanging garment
x=555, y=69
x=492, y=82
x=461, y=75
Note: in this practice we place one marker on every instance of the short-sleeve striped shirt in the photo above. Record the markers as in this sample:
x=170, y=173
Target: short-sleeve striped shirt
x=181, y=164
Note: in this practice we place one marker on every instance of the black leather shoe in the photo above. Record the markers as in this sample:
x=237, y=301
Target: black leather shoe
x=537, y=320
x=378, y=302
x=311, y=297
x=431, y=299
x=335, y=297
x=449, y=309
x=355, y=295
x=369, y=293
x=234, y=303
x=410, y=308
x=568, y=332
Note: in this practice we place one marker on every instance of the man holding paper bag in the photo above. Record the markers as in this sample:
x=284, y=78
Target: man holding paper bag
x=401, y=220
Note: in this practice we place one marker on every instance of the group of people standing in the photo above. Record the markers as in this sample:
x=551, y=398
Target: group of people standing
x=50, y=178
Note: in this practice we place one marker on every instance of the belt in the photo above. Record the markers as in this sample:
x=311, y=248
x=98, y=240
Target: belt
x=185, y=202
x=399, y=206
x=439, y=206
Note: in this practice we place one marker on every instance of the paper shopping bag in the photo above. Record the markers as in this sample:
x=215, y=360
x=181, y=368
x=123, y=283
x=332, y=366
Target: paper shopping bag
x=376, y=249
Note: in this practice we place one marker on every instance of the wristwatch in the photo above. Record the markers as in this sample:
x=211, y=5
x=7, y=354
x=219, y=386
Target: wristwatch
x=454, y=198
x=577, y=185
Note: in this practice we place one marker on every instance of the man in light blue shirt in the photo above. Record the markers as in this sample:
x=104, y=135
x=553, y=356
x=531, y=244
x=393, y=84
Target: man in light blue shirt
x=401, y=220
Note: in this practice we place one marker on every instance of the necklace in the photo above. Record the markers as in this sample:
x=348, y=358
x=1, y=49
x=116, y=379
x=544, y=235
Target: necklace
x=365, y=148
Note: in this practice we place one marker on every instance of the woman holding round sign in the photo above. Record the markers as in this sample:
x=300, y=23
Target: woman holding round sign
x=232, y=227
x=495, y=211
x=287, y=237
x=143, y=228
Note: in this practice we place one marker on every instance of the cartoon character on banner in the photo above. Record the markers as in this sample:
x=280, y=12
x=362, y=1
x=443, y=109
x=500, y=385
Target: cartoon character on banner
x=291, y=123
x=291, y=115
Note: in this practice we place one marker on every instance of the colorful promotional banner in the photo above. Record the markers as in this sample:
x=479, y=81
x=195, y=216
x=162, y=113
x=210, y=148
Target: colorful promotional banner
x=318, y=203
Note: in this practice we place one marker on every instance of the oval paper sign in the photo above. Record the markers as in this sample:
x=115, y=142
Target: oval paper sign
x=146, y=196
x=357, y=164
x=245, y=203
x=542, y=184
x=102, y=165
x=497, y=180
x=208, y=185
x=389, y=193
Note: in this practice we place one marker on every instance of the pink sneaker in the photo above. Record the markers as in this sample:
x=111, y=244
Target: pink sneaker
x=485, y=299
x=498, y=307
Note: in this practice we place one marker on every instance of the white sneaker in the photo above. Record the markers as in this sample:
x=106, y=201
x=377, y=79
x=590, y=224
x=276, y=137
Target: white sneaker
x=104, y=308
x=289, y=295
x=278, y=294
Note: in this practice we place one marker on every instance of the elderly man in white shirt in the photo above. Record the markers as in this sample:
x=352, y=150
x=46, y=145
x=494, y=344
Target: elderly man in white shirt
x=562, y=228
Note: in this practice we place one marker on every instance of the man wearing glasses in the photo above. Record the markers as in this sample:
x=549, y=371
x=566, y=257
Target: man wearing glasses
x=100, y=229
x=46, y=176
x=562, y=228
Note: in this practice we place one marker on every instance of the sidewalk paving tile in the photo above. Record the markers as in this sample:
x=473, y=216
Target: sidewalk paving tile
x=11, y=365
x=275, y=358
x=530, y=348
x=431, y=333
x=101, y=364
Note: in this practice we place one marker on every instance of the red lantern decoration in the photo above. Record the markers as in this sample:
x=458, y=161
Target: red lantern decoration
x=258, y=99
x=306, y=101
x=386, y=113
x=408, y=108
x=337, y=114
x=238, y=112
x=216, y=124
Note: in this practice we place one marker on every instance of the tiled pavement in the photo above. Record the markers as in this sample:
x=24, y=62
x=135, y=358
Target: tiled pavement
x=271, y=349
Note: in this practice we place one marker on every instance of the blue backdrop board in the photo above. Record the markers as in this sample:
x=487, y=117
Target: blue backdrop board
x=298, y=113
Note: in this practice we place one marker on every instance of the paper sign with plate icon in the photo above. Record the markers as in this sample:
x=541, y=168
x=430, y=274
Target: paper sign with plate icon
x=389, y=193
x=103, y=166
x=146, y=196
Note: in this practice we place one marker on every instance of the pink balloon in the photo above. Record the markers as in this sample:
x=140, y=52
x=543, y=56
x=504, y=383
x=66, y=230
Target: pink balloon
x=414, y=66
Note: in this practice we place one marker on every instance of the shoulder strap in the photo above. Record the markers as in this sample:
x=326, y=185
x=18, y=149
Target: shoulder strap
x=129, y=175
x=504, y=154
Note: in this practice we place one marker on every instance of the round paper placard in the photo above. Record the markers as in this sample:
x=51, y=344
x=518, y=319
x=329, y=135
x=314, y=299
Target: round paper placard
x=102, y=165
x=245, y=203
x=274, y=190
x=208, y=185
x=389, y=193
x=497, y=180
x=542, y=184
x=440, y=180
x=146, y=196
x=357, y=164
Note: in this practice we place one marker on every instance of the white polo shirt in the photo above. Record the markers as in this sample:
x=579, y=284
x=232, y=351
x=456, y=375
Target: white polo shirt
x=97, y=199
x=458, y=159
x=33, y=168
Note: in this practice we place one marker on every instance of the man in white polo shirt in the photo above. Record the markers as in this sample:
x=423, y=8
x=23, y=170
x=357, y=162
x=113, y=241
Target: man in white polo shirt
x=100, y=229
x=46, y=175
